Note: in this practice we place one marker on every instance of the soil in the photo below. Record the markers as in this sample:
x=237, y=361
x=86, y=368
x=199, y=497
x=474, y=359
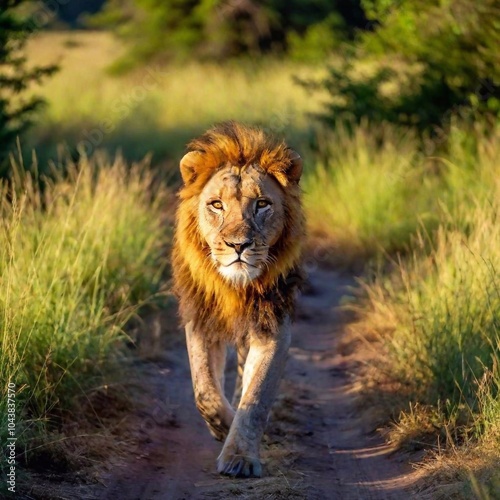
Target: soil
x=315, y=445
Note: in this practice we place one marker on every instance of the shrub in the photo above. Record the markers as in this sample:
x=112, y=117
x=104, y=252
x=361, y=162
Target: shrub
x=218, y=30
x=429, y=61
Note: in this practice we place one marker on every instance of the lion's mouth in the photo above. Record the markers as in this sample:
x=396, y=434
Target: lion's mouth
x=240, y=272
x=240, y=263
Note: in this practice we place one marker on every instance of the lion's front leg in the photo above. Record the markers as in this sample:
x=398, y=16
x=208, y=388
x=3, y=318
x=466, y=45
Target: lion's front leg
x=263, y=371
x=207, y=360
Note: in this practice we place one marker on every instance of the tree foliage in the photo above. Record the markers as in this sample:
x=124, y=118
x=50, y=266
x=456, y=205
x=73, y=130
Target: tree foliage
x=440, y=57
x=226, y=28
x=15, y=77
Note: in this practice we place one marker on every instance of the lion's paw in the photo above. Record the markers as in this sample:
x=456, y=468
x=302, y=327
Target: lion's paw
x=239, y=465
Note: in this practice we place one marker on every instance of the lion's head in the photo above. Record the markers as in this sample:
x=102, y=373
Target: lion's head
x=239, y=223
x=241, y=216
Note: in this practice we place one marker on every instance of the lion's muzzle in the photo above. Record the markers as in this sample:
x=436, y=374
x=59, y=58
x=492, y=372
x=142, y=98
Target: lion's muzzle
x=238, y=245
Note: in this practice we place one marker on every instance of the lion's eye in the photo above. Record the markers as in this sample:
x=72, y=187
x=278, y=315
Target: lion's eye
x=262, y=203
x=217, y=204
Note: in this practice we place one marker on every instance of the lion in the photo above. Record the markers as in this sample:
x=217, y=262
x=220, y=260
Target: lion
x=236, y=269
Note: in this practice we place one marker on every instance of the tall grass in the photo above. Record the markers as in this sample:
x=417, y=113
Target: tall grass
x=435, y=310
x=444, y=319
x=369, y=191
x=438, y=319
x=373, y=187
x=438, y=313
x=77, y=257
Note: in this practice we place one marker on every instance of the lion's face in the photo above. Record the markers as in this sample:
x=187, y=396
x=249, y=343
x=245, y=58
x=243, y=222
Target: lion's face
x=241, y=215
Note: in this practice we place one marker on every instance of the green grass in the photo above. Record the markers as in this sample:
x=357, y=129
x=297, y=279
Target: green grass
x=78, y=256
x=373, y=188
x=434, y=310
x=443, y=310
x=158, y=109
x=437, y=318
x=369, y=192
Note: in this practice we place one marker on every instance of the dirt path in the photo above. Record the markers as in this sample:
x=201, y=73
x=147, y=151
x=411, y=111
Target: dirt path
x=314, y=447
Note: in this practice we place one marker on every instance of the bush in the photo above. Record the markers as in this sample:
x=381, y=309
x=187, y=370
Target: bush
x=429, y=61
x=319, y=40
x=219, y=30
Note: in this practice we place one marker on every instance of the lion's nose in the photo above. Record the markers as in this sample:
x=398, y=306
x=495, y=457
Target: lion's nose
x=239, y=246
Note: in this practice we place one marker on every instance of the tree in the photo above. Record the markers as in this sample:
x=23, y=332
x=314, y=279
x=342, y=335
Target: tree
x=219, y=29
x=16, y=112
x=439, y=57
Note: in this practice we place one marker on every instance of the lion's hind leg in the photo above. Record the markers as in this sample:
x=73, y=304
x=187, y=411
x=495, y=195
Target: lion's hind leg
x=242, y=353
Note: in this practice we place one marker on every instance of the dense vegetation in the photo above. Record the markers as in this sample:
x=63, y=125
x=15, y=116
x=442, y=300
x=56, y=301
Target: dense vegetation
x=208, y=29
x=429, y=61
x=78, y=257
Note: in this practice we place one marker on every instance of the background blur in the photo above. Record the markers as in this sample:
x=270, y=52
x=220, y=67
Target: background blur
x=144, y=76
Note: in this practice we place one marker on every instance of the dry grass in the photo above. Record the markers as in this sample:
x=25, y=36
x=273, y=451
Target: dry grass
x=463, y=474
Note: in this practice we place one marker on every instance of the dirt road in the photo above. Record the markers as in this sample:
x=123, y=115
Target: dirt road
x=314, y=447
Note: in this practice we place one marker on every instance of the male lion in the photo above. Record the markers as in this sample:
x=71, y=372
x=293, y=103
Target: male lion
x=236, y=268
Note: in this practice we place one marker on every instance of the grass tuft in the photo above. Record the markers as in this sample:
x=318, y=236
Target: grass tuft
x=437, y=318
x=78, y=256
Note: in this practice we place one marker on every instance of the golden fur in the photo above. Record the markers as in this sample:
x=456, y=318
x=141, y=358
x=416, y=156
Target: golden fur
x=236, y=265
x=206, y=298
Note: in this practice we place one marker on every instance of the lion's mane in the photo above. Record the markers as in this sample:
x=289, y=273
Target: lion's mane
x=226, y=312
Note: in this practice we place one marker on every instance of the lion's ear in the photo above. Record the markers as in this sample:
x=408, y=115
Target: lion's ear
x=189, y=166
x=294, y=171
